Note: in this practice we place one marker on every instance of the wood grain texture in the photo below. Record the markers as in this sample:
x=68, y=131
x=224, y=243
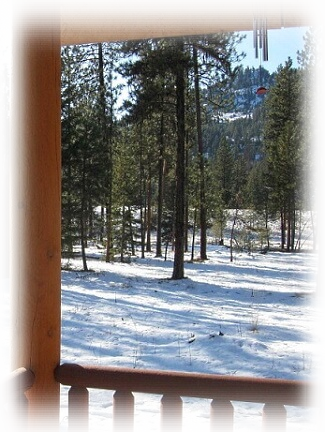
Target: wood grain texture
x=86, y=21
x=36, y=302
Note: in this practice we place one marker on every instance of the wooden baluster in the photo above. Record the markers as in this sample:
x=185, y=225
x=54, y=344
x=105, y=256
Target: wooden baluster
x=123, y=411
x=78, y=408
x=221, y=415
x=321, y=420
x=3, y=419
x=18, y=414
x=171, y=413
x=274, y=417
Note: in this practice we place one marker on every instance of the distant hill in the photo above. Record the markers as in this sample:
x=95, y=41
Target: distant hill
x=245, y=85
x=240, y=119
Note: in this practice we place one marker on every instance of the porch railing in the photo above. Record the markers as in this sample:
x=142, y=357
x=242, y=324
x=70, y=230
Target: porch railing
x=274, y=394
x=13, y=402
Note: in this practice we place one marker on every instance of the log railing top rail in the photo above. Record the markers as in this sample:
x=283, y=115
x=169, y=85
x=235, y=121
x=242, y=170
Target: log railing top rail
x=247, y=389
x=15, y=384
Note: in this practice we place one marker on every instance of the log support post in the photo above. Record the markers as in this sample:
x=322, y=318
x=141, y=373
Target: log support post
x=35, y=205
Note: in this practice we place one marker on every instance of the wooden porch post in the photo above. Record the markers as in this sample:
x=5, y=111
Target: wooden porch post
x=36, y=215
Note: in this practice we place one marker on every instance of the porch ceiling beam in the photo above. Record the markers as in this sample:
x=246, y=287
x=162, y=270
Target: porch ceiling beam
x=86, y=21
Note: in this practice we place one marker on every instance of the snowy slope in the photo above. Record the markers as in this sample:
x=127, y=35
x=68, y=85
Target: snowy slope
x=250, y=317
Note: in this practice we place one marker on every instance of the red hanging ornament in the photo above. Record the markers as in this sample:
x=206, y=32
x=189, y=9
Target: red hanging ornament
x=261, y=91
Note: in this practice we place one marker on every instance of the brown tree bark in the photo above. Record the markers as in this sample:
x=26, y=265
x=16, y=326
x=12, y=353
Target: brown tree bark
x=107, y=144
x=203, y=223
x=160, y=187
x=178, y=270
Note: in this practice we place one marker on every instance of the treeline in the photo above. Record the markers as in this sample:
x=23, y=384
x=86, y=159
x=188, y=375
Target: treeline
x=140, y=167
x=168, y=160
x=147, y=147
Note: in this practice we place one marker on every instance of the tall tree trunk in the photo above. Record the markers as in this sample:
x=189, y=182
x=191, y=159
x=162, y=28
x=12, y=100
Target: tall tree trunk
x=142, y=231
x=178, y=270
x=131, y=231
x=320, y=286
x=232, y=234
x=107, y=133
x=193, y=236
x=143, y=200
x=289, y=230
x=4, y=221
x=293, y=225
x=102, y=224
x=90, y=219
x=186, y=195
x=149, y=212
x=282, y=218
x=83, y=235
x=160, y=186
x=203, y=227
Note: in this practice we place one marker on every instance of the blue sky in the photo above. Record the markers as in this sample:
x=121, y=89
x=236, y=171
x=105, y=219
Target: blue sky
x=282, y=43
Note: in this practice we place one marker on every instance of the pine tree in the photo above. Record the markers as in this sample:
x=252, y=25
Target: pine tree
x=283, y=147
x=152, y=106
x=224, y=172
x=180, y=85
x=108, y=57
x=79, y=138
x=217, y=54
x=153, y=73
x=257, y=194
x=126, y=191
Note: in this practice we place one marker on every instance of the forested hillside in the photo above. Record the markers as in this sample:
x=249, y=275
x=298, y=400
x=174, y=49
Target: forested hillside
x=163, y=136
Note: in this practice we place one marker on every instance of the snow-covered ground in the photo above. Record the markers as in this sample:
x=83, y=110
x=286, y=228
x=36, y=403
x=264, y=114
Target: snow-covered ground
x=254, y=316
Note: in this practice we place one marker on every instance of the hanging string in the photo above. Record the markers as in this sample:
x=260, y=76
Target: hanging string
x=260, y=38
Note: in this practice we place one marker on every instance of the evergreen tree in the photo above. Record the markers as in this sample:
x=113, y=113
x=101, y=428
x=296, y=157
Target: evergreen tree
x=80, y=161
x=126, y=192
x=151, y=69
x=69, y=118
x=283, y=130
x=217, y=54
x=85, y=134
x=105, y=116
x=180, y=86
x=152, y=103
x=224, y=172
x=257, y=194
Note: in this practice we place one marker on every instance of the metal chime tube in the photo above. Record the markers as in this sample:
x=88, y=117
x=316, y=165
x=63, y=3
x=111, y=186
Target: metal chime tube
x=265, y=41
x=255, y=37
x=260, y=37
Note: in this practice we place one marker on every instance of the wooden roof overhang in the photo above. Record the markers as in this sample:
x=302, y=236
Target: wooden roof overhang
x=84, y=21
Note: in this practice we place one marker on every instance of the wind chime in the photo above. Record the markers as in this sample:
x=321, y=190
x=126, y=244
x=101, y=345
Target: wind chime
x=261, y=47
